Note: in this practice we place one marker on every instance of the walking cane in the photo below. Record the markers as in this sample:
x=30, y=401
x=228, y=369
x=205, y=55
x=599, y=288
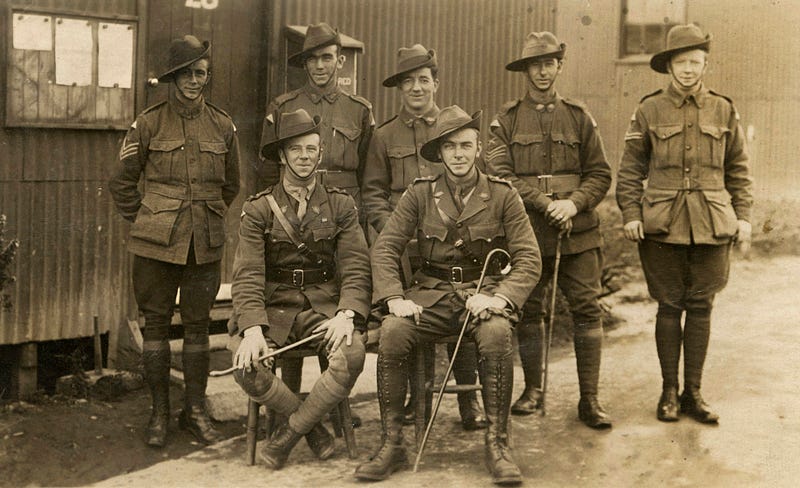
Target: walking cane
x=435, y=410
x=274, y=353
x=550, y=322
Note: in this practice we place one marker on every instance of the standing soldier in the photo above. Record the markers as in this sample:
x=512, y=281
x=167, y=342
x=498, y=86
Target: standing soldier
x=549, y=148
x=187, y=152
x=345, y=128
x=457, y=218
x=302, y=266
x=393, y=163
x=687, y=143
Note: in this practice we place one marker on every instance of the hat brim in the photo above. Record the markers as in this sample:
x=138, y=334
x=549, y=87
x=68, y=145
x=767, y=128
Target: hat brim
x=430, y=150
x=297, y=60
x=270, y=149
x=396, y=78
x=168, y=76
x=660, y=61
x=522, y=63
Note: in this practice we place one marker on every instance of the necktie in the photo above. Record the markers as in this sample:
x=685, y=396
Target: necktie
x=303, y=206
x=459, y=198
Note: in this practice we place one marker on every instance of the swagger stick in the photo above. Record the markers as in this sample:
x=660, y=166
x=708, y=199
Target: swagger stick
x=274, y=353
x=550, y=322
x=455, y=352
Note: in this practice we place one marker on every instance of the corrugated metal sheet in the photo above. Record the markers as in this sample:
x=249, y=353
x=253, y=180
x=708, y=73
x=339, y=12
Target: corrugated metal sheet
x=474, y=39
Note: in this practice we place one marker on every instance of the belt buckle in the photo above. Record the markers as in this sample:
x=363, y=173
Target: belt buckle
x=457, y=274
x=544, y=184
x=298, y=277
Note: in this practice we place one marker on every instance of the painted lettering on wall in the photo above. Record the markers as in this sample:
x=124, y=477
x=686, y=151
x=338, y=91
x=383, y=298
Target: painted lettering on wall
x=204, y=4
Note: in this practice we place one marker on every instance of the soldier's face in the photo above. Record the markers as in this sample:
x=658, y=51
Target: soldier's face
x=543, y=72
x=322, y=65
x=418, y=88
x=459, y=151
x=301, y=154
x=687, y=68
x=192, y=79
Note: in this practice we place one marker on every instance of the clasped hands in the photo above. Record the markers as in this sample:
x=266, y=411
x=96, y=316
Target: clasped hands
x=559, y=214
x=479, y=305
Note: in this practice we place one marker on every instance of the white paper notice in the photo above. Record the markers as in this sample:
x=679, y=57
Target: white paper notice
x=115, y=55
x=33, y=32
x=73, y=52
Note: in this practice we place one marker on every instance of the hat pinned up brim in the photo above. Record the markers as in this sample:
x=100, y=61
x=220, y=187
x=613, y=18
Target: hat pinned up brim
x=410, y=59
x=538, y=45
x=680, y=38
x=317, y=36
x=182, y=53
x=291, y=125
x=451, y=119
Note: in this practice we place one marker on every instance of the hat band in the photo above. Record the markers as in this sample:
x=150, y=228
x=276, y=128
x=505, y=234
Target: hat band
x=413, y=63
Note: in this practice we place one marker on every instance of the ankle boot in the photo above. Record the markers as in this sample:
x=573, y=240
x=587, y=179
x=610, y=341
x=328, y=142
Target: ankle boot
x=497, y=379
x=667, y=410
x=391, y=456
x=276, y=451
x=529, y=339
x=472, y=417
x=194, y=417
x=592, y=414
x=156, y=373
x=693, y=405
x=320, y=441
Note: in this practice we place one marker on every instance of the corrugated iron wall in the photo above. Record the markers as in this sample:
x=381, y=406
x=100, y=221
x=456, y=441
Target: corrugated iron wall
x=474, y=40
x=71, y=263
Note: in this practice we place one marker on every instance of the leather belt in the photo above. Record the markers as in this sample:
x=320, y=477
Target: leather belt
x=550, y=184
x=180, y=192
x=338, y=178
x=453, y=274
x=300, y=277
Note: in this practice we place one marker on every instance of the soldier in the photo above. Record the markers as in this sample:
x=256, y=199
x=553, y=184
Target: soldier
x=302, y=266
x=187, y=152
x=457, y=219
x=345, y=128
x=393, y=163
x=550, y=150
x=686, y=141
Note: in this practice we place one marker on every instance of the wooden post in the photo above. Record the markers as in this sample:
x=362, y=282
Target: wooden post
x=98, y=348
x=24, y=375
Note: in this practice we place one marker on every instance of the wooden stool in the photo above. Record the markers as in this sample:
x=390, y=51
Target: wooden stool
x=340, y=416
x=426, y=384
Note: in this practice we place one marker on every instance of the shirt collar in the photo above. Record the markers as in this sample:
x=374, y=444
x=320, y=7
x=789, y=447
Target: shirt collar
x=679, y=98
x=316, y=94
x=294, y=190
x=429, y=117
x=186, y=109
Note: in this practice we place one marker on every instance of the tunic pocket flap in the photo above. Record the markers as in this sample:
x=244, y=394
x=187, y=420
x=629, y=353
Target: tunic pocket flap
x=325, y=233
x=159, y=203
x=659, y=197
x=165, y=145
x=525, y=139
x=714, y=131
x=400, y=151
x=568, y=139
x=216, y=206
x=350, y=133
x=667, y=131
x=434, y=231
x=486, y=232
x=213, y=147
x=719, y=197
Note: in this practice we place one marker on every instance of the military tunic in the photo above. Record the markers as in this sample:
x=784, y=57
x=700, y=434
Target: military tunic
x=394, y=162
x=331, y=231
x=345, y=131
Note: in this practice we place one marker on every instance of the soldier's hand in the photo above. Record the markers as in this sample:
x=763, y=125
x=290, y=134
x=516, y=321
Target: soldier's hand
x=560, y=211
x=339, y=328
x=252, y=347
x=479, y=302
x=744, y=237
x=634, y=231
x=400, y=307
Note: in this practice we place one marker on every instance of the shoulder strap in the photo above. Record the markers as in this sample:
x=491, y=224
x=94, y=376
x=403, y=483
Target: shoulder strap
x=287, y=226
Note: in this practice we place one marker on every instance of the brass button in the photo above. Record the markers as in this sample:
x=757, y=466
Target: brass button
x=688, y=147
x=690, y=124
x=688, y=170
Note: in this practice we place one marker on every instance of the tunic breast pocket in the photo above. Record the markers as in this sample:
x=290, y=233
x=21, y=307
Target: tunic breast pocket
x=713, y=145
x=165, y=159
x=324, y=241
x=429, y=235
x=402, y=161
x=212, y=160
x=527, y=153
x=667, y=145
x=566, y=152
x=486, y=236
x=344, y=146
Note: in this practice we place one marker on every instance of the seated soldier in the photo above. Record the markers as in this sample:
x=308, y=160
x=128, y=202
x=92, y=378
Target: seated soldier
x=458, y=218
x=302, y=266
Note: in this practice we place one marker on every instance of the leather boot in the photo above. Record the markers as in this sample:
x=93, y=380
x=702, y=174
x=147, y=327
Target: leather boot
x=693, y=405
x=667, y=410
x=391, y=456
x=530, y=339
x=410, y=409
x=194, y=417
x=497, y=379
x=156, y=373
x=592, y=414
x=472, y=417
x=277, y=450
x=320, y=441
x=465, y=373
